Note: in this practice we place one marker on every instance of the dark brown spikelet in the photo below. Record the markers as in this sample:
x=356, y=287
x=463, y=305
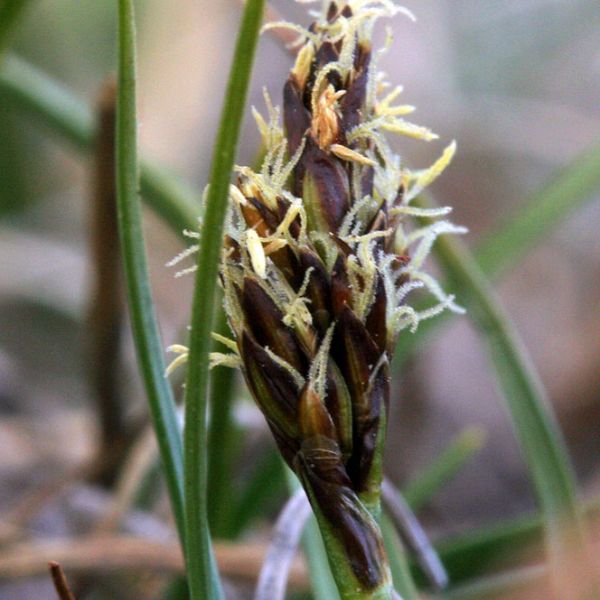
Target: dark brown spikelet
x=315, y=270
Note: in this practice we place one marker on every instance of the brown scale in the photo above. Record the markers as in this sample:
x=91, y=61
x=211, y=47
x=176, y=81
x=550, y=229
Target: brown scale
x=331, y=180
x=273, y=387
x=358, y=357
x=339, y=406
x=376, y=321
x=340, y=286
x=352, y=103
x=318, y=290
x=264, y=320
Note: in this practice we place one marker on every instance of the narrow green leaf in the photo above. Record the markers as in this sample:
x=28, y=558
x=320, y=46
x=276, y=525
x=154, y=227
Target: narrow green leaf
x=44, y=99
x=223, y=438
x=541, y=213
x=474, y=552
x=323, y=585
x=202, y=576
x=146, y=336
x=10, y=13
x=503, y=585
x=531, y=415
x=401, y=575
x=445, y=466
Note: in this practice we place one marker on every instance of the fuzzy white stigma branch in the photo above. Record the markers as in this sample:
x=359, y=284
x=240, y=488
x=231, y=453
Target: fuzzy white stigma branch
x=322, y=253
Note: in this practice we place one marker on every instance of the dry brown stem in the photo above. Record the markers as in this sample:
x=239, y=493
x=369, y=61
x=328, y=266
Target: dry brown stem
x=102, y=554
x=105, y=311
x=60, y=581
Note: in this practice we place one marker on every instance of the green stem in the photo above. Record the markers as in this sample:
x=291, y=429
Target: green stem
x=202, y=576
x=143, y=319
x=222, y=442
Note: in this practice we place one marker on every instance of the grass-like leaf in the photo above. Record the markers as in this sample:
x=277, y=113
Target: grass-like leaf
x=503, y=585
x=11, y=12
x=428, y=482
x=223, y=443
x=401, y=575
x=200, y=561
x=542, y=212
x=41, y=97
x=474, y=552
x=532, y=418
x=143, y=319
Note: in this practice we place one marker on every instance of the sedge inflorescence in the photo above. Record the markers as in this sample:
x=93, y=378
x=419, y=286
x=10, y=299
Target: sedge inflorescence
x=321, y=255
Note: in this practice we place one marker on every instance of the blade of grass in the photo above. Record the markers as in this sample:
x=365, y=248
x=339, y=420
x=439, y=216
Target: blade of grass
x=430, y=480
x=531, y=415
x=542, y=212
x=470, y=554
x=143, y=319
x=10, y=13
x=202, y=576
x=401, y=575
x=44, y=99
x=223, y=438
x=504, y=585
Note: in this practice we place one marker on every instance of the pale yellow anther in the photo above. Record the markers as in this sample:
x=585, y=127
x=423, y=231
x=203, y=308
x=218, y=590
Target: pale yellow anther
x=237, y=196
x=257, y=253
x=231, y=344
x=292, y=212
x=301, y=69
x=177, y=348
x=274, y=246
x=350, y=155
x=325, y=126
x=261, y=124
x=219, y=359
x=180, y=360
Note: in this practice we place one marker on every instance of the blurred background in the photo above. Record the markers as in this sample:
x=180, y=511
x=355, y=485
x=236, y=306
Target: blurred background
x=516, y=83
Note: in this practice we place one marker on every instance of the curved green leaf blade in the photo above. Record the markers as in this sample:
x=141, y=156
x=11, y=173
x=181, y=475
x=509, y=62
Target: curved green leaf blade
x=43, y=98
x=432, y=478
x=531, y=415
x=146, y=336
x=401, y=575
x=202, y=576
x=542, y=212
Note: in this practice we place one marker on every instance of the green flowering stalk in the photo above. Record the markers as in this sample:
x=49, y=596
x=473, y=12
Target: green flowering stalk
x=320, y=255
